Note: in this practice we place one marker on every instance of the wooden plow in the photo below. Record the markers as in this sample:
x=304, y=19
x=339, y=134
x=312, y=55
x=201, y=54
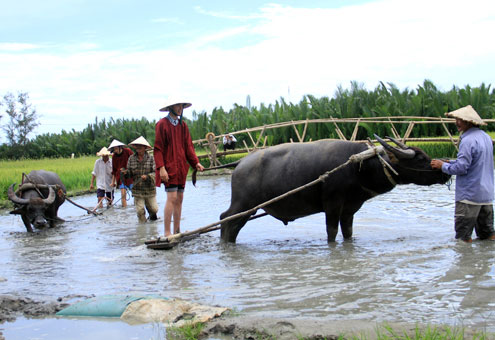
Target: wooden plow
x=173, y=240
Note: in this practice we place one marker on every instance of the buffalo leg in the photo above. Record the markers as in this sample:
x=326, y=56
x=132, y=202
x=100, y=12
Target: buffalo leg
x=346, y=225
x=332, y=221
x=27, y=223
x=231, y=229
x=347, y=217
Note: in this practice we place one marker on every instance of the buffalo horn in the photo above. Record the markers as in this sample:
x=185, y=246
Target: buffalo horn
x=14, y=198
x=399, y=153
x=51, y=197
x=399, y=144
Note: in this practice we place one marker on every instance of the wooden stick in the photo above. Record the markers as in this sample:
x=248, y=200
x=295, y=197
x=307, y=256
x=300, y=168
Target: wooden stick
x=79, y=206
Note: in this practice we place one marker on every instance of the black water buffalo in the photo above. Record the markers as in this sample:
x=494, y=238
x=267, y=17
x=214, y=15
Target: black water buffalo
x=35, y=210
x=268, y=173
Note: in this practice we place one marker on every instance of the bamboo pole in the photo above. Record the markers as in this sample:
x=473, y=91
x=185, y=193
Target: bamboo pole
x=337, y=129
x=297, y=133
x=354, y=133
x=259, y=137
x=304, y=131
x=451, y=138
x=408, y=132
x=394, y=131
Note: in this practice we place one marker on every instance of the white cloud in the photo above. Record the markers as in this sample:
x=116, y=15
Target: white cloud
x=304, y=51
x=17, y=47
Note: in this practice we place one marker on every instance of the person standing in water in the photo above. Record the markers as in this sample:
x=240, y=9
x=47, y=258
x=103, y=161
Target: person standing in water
x=174, y=153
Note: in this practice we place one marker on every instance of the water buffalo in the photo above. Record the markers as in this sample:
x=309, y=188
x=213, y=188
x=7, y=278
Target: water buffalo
x=268, y=173
x=35, y=210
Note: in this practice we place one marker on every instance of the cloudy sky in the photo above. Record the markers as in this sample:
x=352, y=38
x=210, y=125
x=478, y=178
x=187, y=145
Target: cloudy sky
x=81, y=59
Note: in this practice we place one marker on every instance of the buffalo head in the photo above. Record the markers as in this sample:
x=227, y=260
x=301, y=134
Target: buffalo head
x=32, y=206
x=412, y=164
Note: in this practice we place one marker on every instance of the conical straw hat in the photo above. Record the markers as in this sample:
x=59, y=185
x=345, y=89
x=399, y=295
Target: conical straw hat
x=468, y=114
x=103, y=152
x=172, y=103
x=140, y=141
x=114, y=144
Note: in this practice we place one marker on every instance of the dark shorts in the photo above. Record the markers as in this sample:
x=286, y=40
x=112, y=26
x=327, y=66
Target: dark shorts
x=103, y=193
x=471, y=216
x=174, y=187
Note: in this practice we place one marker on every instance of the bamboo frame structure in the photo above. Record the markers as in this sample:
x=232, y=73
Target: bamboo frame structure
x=412, y=121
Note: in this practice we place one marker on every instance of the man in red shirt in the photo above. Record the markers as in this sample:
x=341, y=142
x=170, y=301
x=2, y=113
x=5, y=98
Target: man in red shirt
x=120, y=156
x=173, y=152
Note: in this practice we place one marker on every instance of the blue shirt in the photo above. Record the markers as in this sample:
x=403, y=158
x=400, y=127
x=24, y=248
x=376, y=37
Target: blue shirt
x=473, y=167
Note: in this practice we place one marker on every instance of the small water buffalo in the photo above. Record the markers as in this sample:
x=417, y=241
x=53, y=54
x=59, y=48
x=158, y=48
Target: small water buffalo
x=35, y=210
x=268, y=173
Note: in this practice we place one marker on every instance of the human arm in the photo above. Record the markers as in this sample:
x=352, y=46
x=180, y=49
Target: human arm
x=461, y=165
x=91, y=186
x=191, y=157
x=159, y=150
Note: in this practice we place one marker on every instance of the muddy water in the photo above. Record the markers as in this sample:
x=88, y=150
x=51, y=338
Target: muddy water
x=402, y=265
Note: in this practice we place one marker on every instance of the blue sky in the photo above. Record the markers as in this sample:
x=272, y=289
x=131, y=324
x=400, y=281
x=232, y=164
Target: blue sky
x=82, y=59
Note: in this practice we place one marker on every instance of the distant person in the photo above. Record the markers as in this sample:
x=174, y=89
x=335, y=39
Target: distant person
x=141, y=168
x=120, y=156
x=102, y=171
x=474, y=177
x=174, y=152
x=229, y=142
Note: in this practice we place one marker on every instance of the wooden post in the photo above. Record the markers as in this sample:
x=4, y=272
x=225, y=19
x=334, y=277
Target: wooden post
x=297, y=132
x=450, y=136
x=259, y=137
x=245, y=144
x=354, y=133
x=408, y=132
x=394, y=131
x=341, y=135
x=251, y=137
x=305, y=128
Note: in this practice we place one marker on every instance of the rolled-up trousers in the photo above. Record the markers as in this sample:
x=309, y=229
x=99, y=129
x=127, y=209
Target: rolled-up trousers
x=151, y=206
x=472, y=216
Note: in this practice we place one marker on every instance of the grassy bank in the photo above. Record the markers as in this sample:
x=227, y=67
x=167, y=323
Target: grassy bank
x=74, y=173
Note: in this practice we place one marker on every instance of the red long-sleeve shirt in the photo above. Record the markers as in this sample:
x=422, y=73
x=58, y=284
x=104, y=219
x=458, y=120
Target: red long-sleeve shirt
x=173, y=149
x=118, y=162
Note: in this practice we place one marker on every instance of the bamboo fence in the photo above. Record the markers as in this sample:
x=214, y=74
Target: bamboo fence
x=211, y=142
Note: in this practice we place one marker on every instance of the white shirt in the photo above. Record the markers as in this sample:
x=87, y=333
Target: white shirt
x=227, y=141
x=103, y=173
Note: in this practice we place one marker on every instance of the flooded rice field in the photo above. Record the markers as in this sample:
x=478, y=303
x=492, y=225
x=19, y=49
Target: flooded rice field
x=403, y=264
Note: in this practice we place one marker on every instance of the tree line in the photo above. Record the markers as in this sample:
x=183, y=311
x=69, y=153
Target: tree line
x=356, y=101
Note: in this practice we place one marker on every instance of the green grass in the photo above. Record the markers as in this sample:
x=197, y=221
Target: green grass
x=189, y=331
x=74, y=173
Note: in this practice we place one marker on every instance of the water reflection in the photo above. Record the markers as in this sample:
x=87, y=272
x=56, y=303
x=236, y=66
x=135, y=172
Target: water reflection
x=402, y=264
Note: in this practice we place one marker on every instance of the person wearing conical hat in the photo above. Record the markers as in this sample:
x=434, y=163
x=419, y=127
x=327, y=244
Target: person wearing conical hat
x=102, y=172
x=473, y=167
x=120, y=156
x=174, y=153
x=141, y=168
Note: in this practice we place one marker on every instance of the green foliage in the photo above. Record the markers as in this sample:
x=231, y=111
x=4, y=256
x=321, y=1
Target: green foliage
x=386, y=100
x=22, y=120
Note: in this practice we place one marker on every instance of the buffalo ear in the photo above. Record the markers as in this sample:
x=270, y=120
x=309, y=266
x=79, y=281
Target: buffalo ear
x=19, y=211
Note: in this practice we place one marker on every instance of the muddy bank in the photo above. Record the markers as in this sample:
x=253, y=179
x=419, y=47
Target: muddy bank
x=245, y=327
x=12, y=307
x=232, y=326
